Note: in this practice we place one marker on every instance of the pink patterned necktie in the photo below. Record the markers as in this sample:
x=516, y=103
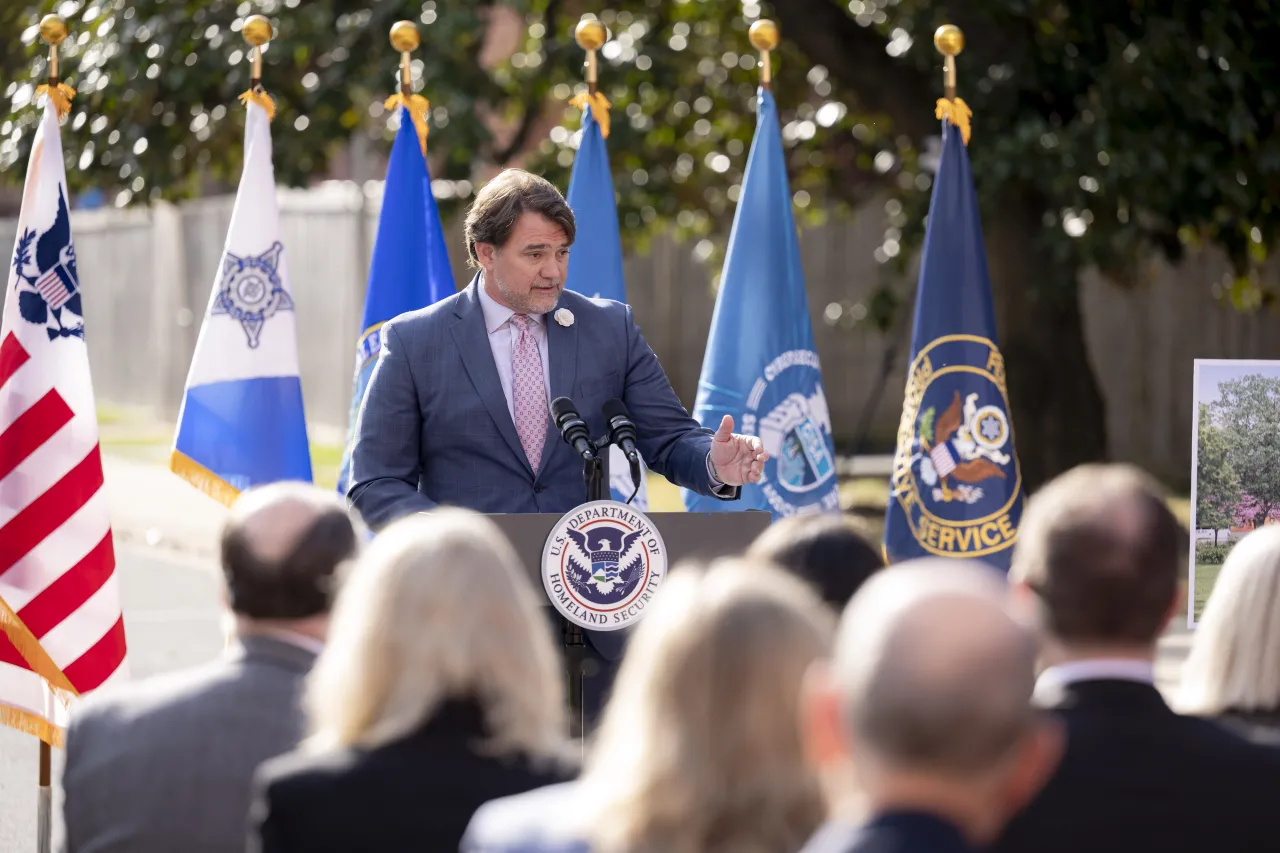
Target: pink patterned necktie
x=528, y=391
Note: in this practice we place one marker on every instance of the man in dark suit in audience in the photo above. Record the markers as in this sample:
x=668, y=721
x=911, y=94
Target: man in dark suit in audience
x=165, y=764
x=1099, y=555
x=923, y=723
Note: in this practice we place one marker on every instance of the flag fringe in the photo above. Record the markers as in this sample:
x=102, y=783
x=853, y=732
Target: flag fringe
x=417, y=106
x=599, y=105
x=31, y=650
x=60, y=95
x=262, y=99
x=33, y=724
x=958, y=113
x=202, y=478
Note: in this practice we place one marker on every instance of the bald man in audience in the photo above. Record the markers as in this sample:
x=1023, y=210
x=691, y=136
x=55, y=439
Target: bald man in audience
x=1099, y=559
x=922, y=724
x=165, y=764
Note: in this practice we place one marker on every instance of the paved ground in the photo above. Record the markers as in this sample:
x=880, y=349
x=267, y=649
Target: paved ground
x=166, y=540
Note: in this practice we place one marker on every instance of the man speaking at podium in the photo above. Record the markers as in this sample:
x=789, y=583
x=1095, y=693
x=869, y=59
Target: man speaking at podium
x=457, y=409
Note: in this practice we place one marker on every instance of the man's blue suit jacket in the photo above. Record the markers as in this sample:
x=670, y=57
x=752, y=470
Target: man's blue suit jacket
x=434, y=427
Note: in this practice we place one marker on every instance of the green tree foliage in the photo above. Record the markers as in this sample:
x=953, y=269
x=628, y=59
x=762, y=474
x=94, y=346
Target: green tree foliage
x=1249, y=411
x=1102, y=128
x=1217, y=486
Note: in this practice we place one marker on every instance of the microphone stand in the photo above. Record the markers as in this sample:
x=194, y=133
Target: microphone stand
x=574, y=640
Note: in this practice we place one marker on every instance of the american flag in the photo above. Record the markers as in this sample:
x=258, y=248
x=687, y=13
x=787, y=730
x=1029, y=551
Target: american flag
x=61, y=624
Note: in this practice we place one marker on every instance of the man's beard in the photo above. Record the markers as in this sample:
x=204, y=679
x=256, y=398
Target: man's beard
x=523, y=303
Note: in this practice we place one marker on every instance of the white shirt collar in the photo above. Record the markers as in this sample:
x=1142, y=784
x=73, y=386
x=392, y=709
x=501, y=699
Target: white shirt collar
x=293, y=638
x=495, y=314
x=1124, y=669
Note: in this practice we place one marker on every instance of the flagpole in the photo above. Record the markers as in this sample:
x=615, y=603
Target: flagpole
x=591, y=36
x=949, y=41
x=764, y=38
x=53, y=31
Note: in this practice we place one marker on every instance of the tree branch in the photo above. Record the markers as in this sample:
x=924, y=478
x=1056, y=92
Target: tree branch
x=856, y=57
x=533, y=103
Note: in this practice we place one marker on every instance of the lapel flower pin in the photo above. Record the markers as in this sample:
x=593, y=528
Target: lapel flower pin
x=564, y=317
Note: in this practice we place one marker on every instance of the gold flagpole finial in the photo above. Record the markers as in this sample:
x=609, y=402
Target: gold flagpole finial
x=53, y=31
x=405, y=38
x=764, y=38
x=949, y=41
x=591, y=36
x=257, y=32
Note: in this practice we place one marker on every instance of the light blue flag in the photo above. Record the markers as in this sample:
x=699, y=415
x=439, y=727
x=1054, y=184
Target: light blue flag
x=410, y=265
x=595, y=262
x=957, y=486
x=242, y=421
x=760, y=364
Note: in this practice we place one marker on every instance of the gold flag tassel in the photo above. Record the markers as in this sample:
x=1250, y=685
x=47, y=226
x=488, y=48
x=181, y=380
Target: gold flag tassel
x=54, y=31
x=950, y=41
x=257, y=32
x=591, y=36
x=599, y=106
x=405, y=38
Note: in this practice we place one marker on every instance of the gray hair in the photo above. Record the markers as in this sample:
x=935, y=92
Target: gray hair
x=1234, y=664
x=935, y=671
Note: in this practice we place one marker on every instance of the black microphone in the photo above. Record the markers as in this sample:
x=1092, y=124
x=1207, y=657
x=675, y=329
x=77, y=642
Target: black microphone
x=572, y=427
x=622, y=431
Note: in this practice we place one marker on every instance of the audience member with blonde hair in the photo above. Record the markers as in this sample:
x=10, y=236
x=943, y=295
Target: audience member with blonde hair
x=1233, y=671
x=699, y=747
x=439, y=690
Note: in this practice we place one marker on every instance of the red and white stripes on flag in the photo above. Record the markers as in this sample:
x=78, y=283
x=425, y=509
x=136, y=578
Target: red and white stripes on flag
x=61, y=624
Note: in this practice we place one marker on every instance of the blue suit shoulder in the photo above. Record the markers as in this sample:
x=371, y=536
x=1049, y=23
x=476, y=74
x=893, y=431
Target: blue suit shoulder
x=422, y=317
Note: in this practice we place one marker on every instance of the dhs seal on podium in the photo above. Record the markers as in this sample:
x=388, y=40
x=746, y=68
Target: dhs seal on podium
x=602, y=564
x=954, y=474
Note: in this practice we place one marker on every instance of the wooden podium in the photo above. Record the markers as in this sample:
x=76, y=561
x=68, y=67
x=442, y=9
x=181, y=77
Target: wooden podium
x=687, y=535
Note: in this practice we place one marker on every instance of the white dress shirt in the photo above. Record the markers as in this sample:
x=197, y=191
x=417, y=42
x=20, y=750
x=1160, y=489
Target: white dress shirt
x=1055, y=678
x=503, y=336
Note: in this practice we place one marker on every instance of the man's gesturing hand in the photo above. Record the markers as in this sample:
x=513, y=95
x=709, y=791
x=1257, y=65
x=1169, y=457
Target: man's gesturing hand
x=736, y=459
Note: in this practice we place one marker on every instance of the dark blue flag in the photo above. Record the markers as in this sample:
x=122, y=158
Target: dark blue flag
x=957, y=487
x=760, y=364
x=595, y=263
x=410, y=264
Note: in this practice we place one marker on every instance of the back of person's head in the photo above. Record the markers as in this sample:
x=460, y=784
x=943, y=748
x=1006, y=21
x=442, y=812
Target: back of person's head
x=283, y=546
x=1102, y=552
x=931, y=685
x=828, y=550
x=1234, y=664
x=698, y=749
x=438, y=609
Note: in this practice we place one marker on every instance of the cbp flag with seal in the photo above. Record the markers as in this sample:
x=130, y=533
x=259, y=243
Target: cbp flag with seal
x=957, y=487
x=761, y=366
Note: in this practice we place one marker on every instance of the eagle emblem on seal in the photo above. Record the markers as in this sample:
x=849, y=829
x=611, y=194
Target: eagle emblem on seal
x=604, y=563
x=962, y=449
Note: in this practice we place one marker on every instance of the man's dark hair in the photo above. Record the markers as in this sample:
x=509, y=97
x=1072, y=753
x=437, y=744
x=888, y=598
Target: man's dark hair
x=300, y=584
x=828, y=550
x=1104, y=553
x=501, y=201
